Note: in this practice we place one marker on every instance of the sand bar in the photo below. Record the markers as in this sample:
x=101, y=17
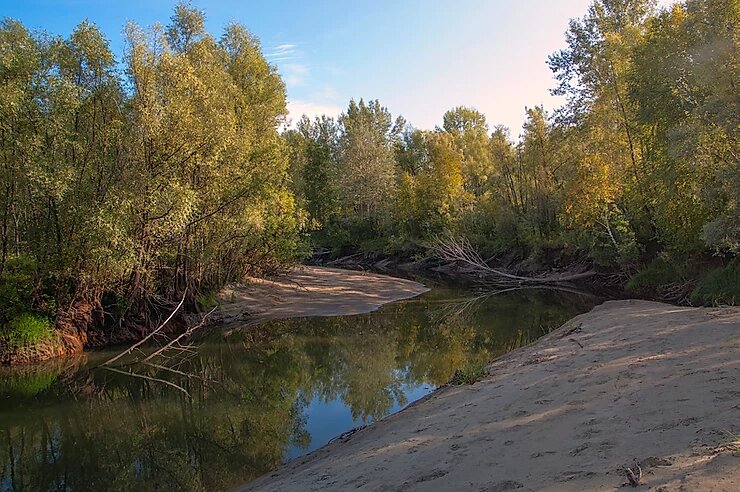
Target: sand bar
x=629, y=382
x=315, y=291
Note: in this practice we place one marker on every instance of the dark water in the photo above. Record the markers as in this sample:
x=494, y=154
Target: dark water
x=255, y=398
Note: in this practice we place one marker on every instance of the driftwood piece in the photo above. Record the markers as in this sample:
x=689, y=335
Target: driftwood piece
x=634, y=475
x=459, y=250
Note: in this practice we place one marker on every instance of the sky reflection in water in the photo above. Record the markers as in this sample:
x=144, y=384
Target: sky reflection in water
x=260, y=396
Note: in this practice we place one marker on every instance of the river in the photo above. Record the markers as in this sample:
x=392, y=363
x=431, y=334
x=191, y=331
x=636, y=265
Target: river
x=248, y=401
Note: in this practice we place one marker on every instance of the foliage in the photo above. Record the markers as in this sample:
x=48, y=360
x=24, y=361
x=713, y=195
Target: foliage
x=16, y=287
x=27, y=330
x=720, y=286
x=207, y=301
x=141, y=183
x=658, y=273
x=366, y=165
x=164, y=172
x=471, y=373
x=639, y=163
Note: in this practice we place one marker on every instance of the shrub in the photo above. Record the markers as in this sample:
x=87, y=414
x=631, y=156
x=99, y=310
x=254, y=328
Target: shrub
x=720, y=286
x=207, y=301
x=659, y=272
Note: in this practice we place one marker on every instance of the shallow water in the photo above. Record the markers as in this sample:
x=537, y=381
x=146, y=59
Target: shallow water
x=255, y=398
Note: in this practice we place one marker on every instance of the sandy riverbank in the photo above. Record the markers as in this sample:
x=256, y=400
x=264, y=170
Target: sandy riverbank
x=315, y=291
x=631, y=381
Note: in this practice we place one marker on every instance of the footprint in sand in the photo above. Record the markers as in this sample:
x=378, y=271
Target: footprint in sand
x=579, y=449
x=433, y=475
x=502, y=486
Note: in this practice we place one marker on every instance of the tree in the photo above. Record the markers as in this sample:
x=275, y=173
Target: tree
x=469, y=130
x=440, y=191
x=683, y=83
x=592, y=73
x=133, y=187
x=319, y=172
x=367, y=168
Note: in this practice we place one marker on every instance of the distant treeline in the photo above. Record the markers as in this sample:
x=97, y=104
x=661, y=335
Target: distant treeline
x=639, y=167
x=126, y=184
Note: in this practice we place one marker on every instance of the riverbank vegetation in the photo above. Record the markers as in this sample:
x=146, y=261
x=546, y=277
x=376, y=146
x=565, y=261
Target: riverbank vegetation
x=638, y=169
x=128, y=183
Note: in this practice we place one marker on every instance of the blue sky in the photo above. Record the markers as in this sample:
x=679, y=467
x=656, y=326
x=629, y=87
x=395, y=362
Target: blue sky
x=418, y=57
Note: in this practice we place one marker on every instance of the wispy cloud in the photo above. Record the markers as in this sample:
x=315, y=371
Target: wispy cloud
x=294, y=74
x=282, y=52
x=290, y=62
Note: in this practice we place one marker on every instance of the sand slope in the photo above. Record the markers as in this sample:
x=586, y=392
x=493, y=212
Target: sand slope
x=629, y=381
x=315, y=291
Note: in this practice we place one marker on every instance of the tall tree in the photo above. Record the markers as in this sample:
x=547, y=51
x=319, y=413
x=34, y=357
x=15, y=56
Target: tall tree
x=367, y=167
x=684, y=84
x=592, y=73
x=469, y=130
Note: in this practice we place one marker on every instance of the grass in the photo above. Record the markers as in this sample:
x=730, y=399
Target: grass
x=659, y=272
x=720, y=286
x=469, y=374
x=27, y=330
x=207, y=301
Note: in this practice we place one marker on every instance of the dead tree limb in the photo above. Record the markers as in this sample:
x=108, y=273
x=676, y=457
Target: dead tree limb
x=174, y=344
x=170, y=356
x=459, y=250
x=150, y=335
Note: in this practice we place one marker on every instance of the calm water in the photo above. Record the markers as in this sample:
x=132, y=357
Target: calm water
x=257, y=397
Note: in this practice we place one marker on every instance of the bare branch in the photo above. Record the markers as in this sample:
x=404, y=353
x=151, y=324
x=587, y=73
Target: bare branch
x=143, y=340
x=459, y=250
x=174, y=343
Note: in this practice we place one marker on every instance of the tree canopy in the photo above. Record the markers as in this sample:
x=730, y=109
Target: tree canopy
x=128, y=183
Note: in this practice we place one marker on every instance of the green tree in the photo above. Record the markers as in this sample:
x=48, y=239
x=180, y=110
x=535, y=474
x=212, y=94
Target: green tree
x=469, y=130
x=683, y=82
x=367, y=167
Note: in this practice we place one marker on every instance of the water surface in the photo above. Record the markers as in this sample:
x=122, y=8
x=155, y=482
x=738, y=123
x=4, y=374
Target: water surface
x=254, y=398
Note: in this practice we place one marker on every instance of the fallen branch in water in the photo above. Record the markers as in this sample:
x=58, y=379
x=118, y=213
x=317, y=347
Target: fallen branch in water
x=174, y=344
x=172, y=354
x=459, y=250
x=150, y=335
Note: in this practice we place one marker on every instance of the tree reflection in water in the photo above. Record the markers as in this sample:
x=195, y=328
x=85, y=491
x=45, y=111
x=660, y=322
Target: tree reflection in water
x=69, y=425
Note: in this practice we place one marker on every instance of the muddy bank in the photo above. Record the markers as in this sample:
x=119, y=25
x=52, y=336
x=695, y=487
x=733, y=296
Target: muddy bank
x=631, y=382
x=606, y=283
x=86, y=326
x=303, y=291
x=314, y=291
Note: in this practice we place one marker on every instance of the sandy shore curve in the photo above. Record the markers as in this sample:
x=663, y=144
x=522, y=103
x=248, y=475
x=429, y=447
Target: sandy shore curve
x=314, y=291
x=631, y=382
